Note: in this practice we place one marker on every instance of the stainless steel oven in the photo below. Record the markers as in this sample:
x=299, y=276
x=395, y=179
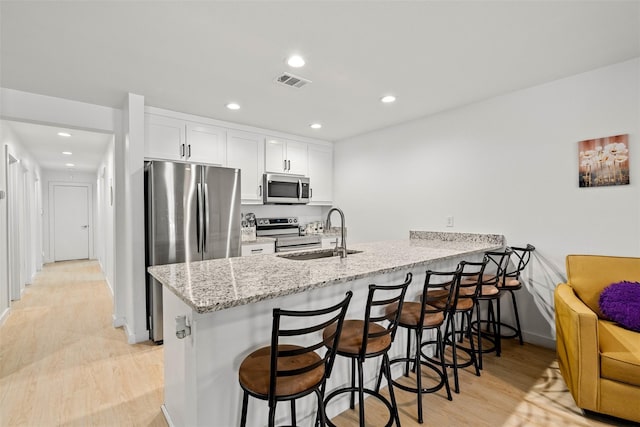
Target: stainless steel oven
x=285, y=189
x=287, y=234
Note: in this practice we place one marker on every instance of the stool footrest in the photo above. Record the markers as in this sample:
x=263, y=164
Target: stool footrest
x=429, y=365
x=370, y=392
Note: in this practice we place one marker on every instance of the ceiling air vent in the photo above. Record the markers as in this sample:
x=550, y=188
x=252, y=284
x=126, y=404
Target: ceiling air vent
x=288, y=79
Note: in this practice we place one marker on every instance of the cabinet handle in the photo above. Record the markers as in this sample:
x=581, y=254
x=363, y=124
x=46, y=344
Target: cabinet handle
x=189, y=150
x=311, y=193
x=285, y=166
x=289, y=165
x=255, y=251
x=181, y=150
x=260, y=190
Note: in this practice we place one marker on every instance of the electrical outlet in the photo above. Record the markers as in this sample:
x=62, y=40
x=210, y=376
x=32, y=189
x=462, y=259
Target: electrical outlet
x=450, y=221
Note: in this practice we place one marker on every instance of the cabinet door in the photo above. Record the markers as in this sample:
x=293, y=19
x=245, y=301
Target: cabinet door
x=245, y=151
x=321, y=174
x=206, y=144
x=164, y=138
x=257, y=249
x=275, y=155
x=297, y=158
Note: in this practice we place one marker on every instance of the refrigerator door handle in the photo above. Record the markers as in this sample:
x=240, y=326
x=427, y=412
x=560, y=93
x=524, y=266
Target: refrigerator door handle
x=199, y=231
x=206, y=217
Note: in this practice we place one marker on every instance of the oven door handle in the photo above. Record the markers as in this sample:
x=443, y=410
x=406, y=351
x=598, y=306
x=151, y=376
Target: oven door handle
x=299, y=189
x=298, y=247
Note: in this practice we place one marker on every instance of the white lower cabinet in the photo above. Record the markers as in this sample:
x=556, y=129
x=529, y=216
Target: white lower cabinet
x=258, y=248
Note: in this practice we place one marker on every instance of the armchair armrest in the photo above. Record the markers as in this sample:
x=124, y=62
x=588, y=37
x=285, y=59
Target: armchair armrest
x=577, y=346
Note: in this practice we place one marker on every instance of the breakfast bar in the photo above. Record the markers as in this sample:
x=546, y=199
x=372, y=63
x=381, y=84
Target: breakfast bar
x=218, y=311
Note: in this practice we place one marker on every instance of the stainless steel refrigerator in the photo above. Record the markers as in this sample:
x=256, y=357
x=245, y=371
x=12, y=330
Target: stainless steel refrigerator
x=192, y=214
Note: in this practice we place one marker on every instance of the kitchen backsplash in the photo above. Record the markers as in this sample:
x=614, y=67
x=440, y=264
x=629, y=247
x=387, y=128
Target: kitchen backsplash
x=304, y=213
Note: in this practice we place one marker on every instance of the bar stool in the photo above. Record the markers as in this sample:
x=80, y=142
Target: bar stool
x=462, y=304
x=421, y=316
x=366, y=339
x=512, y=283
x=489, y=292
x=282, y=372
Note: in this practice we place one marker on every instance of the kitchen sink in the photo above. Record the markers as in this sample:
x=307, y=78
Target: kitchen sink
x=325, y=253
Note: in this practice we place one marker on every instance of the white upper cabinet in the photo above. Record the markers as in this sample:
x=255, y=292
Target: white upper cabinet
x=174, y=139
x=321, y=174
x=205, y=144
x=164, y=138
x=286, y=156
x=245, y=151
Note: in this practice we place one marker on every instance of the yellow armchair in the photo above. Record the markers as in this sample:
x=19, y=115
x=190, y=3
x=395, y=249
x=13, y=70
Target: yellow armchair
x=599, y=360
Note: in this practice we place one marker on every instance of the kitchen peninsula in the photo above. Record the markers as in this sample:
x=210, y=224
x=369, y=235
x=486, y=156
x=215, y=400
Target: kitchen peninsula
x=228, y=306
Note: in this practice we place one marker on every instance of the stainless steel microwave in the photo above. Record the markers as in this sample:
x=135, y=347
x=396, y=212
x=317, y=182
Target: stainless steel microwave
x=285, y=189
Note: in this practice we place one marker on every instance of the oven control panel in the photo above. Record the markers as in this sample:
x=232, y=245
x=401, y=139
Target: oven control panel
x=277, y=221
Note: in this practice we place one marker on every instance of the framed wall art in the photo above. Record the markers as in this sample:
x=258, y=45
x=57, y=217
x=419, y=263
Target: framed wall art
x=603, y=161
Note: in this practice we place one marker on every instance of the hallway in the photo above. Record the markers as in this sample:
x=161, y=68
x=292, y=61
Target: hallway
x=63, y=363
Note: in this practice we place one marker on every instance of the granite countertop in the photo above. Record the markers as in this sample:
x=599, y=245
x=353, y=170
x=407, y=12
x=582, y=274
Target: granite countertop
x=218, y=284
x=258, y=241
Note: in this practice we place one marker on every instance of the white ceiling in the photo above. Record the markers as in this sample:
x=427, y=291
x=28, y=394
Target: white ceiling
x=195, y=57
x=46, y=146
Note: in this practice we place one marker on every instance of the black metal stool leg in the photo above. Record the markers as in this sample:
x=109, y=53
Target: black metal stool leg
x=418, y=366
x=443, y=364
x=293, y=413
x=321, y=417
x=272, y=415
x=406, y=367
x=245, y=402
x=479, y=333
x=515, y=312
x=361, y=392
x=498, y=332
x=456, y=386
x=352, y=404
x=394, y=405
x=474, y=359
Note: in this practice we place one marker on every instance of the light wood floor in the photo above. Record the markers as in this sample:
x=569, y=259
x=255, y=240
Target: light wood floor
x=62, y=363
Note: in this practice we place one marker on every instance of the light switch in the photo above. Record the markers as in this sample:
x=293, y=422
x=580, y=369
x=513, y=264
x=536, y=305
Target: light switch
x=450, y=221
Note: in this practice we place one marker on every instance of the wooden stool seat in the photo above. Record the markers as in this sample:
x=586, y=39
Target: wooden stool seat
x=351, y=338
x=410, y=315
x=255, y=372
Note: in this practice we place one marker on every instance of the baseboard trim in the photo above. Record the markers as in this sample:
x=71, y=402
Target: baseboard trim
x=4, y=315
x=538, y=339
x=167, y=417
x=117, y=322
x=133, y=338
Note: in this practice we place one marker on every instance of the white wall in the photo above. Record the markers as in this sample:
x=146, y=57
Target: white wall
x=507, y=165
x=61, y=176
x=26, y=241
x=105, y=217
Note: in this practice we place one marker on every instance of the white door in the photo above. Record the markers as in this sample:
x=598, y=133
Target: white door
x=71, y=222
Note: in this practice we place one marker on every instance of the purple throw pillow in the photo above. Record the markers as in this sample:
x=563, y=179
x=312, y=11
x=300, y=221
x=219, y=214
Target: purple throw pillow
x=620, y=302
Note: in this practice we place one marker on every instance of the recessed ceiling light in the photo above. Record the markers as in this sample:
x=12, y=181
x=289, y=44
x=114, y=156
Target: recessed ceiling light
x=388, y=99
x=233, y=106
x=65, y=134
x=67, y=153
x=296, y=61
x=315, y=126
x=69, y=165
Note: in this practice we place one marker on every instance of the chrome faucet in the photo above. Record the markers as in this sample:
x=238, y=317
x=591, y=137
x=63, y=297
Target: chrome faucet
x=343, y=248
